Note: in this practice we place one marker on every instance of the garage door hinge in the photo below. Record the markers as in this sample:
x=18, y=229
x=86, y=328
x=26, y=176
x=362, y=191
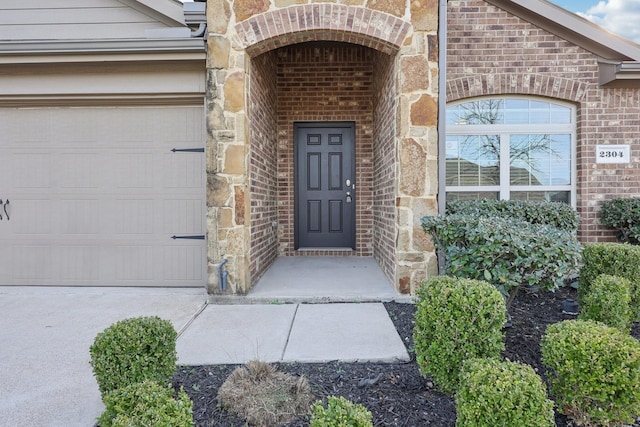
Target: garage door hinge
x=198, y=237
x=188, y=150
x=4, y=208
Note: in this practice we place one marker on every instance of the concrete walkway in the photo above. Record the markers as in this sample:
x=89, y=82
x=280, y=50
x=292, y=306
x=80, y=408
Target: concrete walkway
x=45, y=335
x=323, y=279
x=224, y=334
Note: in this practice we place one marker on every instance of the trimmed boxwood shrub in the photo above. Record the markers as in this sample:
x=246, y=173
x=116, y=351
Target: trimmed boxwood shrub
x=456, y=319
x=608, y=301
x=559, y=215
x=614, y=259
x=146, y=404
x=340, y=412
x=594, y=371
x=624, y=216
x=509, y=253
x=495, y=393
x=133, y=350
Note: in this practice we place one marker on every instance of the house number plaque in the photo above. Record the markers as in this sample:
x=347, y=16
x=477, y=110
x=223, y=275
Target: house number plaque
x=613, y=154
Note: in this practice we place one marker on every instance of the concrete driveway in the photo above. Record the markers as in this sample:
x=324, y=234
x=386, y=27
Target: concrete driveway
x=45, y=335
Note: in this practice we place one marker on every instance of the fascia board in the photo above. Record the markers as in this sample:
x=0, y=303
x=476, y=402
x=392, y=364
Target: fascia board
x=195, y=12
x=573, y=28
x=166, y=11
x=33, y=52
x=43, y=47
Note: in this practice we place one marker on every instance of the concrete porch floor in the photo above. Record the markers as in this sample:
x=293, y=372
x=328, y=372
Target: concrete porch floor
x=324, y=279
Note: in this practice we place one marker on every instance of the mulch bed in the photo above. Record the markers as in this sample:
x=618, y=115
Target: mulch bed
x=396, y=394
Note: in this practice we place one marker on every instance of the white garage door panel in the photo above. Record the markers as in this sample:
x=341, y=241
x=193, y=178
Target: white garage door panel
x=96, y=195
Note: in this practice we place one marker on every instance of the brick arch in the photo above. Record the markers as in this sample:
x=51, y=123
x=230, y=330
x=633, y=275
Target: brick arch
x=322, y=21
x=522, y=84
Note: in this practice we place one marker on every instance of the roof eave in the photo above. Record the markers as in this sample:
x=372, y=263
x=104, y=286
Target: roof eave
x=572, y=28
x=167, y=11
x=619, y=74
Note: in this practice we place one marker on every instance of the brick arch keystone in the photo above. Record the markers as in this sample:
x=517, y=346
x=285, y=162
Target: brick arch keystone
x=522, y=84
x=322, y=21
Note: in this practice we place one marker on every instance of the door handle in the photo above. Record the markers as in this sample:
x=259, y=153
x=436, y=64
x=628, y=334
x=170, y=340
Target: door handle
x=5, y=209
x=1, y=204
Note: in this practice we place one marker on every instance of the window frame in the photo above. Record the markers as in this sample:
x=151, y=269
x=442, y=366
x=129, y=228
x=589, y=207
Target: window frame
x=505, y=131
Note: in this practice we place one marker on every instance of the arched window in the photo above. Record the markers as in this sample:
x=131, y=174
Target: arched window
x=511, y=148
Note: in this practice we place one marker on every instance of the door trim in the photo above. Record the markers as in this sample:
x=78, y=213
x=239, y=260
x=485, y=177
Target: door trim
x=322, y=124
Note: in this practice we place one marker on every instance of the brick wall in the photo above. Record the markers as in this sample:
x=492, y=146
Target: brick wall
x=491, y=52
x=384, y=160
x=325, y=82
x=263, y=164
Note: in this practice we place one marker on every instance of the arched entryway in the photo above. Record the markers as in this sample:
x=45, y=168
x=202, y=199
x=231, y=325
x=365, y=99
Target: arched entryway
x=310, y=71
x=322, y=90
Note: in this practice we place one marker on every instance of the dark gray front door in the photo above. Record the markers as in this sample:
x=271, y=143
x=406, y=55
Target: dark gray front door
x=325, y=188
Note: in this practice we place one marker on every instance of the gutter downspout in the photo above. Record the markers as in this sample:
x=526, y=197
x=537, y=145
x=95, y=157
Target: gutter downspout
x=200, y=31
x=442, y=122
x=442, y=104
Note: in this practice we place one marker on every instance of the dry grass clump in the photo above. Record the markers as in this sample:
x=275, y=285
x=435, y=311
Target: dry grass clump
x=264, y=397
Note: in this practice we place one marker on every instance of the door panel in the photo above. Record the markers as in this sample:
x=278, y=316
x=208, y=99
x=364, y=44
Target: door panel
x=325, y=206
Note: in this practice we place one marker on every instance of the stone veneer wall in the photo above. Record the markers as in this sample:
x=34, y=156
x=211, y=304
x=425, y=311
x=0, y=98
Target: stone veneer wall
x=491, y=52
x=239, y=32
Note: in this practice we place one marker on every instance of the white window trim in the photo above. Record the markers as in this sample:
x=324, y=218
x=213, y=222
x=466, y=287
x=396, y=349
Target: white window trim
x=504, y=131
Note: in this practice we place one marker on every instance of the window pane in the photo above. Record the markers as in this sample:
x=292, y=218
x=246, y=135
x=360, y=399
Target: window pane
x=539, y=112
x=539, y=159
x=510, y=111
x=516, y=111
x=480, y=112
x=538, y=196
x=453, y=113
x=472, y=195
x=473, y=160
x=560, y=114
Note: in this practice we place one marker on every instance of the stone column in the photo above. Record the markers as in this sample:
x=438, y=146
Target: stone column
x=417, y=147
x=227, y=175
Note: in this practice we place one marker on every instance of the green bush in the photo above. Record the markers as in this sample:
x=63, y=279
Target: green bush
x=508, y=253
x=608, y=301
x=559, y=215
x=133, y=350
x=456, y=319
x=495, y=393
x=594, y=371
x=624, y=216
x=615, y=259
x=146, y=404
x=340, y=412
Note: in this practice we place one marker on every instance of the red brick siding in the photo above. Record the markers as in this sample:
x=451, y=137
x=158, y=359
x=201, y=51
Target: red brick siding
x=322, y=21
x=263, y=164
x=490, y=52
x=384, y=160
x=325, y=82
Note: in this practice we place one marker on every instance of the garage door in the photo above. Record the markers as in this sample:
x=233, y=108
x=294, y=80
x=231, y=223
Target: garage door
x=109, y=196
